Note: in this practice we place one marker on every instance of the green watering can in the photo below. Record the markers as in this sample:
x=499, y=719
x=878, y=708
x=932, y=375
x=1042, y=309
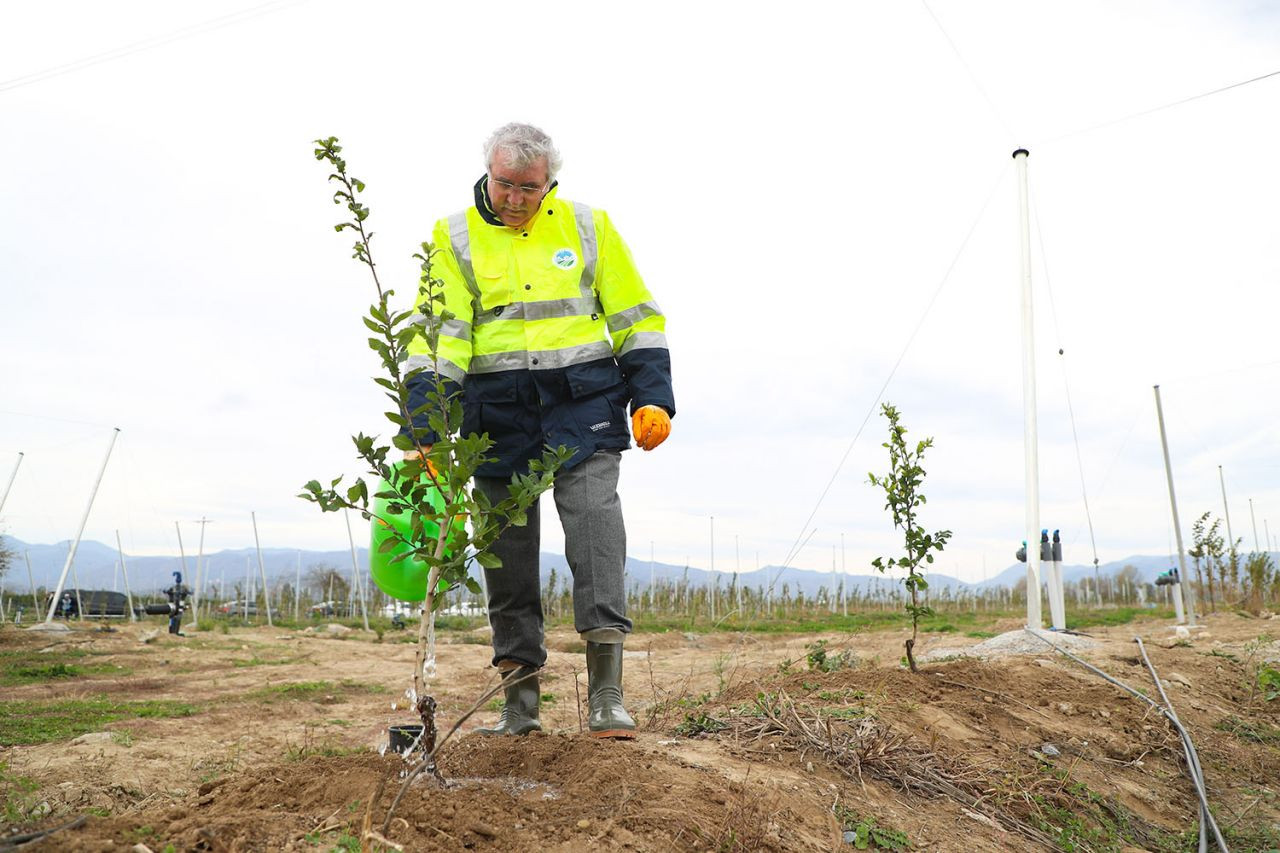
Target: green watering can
x=406, y=579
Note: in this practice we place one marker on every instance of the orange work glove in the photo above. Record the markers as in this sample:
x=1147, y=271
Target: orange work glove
x=413, y=454
x=650, y=425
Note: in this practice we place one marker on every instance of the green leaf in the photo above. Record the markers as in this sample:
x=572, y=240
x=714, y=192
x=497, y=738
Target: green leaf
x=488, y=559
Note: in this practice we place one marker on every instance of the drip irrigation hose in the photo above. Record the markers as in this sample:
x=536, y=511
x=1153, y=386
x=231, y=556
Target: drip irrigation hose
x=1193, y=761
x=1193, y=758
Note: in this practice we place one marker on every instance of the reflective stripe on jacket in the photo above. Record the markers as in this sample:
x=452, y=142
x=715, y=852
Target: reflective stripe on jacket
x=554, y=333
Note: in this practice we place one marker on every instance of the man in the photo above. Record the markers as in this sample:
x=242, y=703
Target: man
x=554, y=334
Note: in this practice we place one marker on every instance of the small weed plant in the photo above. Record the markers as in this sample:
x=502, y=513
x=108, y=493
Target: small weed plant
x=821, y=659
x=903, y=498
x=865, y=833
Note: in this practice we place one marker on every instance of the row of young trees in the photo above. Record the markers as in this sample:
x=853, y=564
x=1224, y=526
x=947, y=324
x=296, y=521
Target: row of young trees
x=1224, y=577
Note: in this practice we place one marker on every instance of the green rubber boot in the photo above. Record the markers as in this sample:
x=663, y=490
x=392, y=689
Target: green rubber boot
x=520, y=710
x=604, y=692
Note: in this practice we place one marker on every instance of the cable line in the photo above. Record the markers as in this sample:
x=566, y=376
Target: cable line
x=1075, y=436
x=972, y=77
x=796, y=546
x=1151, y=110
x=148, y=43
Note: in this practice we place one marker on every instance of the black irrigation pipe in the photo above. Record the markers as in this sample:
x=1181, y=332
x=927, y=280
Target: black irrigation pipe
x=15, y=841
x=1193, y=760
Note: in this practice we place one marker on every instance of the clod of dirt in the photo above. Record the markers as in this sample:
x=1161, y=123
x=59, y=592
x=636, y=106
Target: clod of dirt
x=148, y=636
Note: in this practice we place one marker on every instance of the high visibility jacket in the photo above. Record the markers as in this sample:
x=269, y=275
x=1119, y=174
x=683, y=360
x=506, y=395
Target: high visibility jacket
x=554, y=332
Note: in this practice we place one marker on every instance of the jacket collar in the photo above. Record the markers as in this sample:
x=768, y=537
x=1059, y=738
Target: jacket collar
x=485, y=209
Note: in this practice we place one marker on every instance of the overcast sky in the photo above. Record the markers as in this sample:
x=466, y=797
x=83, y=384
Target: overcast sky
x=796, y=181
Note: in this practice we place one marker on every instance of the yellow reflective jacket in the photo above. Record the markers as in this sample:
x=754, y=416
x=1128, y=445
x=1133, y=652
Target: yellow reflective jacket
x=554, y=331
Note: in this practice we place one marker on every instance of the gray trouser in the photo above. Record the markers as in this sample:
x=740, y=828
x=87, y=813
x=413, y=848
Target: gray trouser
x=595, y=544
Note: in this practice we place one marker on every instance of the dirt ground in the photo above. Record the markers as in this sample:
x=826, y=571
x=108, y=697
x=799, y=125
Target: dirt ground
x=743, y=746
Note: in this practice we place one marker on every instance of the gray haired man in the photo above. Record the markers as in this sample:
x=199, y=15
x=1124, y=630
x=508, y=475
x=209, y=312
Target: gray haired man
x=555, y=336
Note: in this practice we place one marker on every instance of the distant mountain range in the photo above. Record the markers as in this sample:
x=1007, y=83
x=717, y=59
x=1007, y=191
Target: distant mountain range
x=96, y=566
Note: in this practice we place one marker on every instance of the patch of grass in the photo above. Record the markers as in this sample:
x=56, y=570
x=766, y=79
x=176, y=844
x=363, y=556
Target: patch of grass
x=122, y=737
x=19, y=796
x=1116, y=616
x=981, y=635
x=1252, y=732
x=847, y=713
x=944, y=628
x=24, y=723
x=259, y=661
x=700, y=724
x=30, y=667
x=315, y=691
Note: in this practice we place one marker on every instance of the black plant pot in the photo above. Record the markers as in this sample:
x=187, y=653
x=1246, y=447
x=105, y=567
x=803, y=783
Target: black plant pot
x=405, y=738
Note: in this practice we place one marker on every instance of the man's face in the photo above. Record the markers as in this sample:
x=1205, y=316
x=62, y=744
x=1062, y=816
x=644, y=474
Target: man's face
x=516, y=193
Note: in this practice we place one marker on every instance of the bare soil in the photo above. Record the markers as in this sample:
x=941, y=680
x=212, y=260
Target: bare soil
x=737, y=751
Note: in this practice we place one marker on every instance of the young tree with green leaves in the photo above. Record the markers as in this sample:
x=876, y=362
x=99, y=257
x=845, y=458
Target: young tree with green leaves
x=432, y=486
x=903, y=498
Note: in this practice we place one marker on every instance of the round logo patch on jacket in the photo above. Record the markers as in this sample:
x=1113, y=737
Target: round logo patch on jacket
x=565, y=259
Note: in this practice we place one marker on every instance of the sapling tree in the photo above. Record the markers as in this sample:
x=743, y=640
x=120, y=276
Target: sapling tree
x=432, y=484
x=903, y=498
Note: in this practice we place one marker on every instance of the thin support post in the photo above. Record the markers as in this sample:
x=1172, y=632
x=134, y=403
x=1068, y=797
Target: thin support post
x=297, y=583
x=124, y=570
x=195, y=590
x=182, y=555
x=4, y=497
x=71, y=555
x=266, y=596
x=1188, y=592
x=355, y=571
x=1254, y=519
x=1226, y=510
x=31, y=579
x=1030, y=439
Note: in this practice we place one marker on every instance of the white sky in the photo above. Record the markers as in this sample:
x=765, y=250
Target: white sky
x=794, y=181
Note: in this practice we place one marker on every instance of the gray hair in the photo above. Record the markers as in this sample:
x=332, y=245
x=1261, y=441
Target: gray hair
x=522, y=145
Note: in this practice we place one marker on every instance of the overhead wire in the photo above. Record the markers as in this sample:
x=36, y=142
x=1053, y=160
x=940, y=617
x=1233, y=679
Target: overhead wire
x=148, y=43
x=1066, y=383
x=973, y=78
x=796, y=545
x=1156, y=109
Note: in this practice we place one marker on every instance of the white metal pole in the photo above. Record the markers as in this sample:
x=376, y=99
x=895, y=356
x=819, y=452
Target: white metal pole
x=1188, y=591
x=266, y=598
x=124, y=570
x=651, y=598
x=355, y=571
x=71, y=555
x=844, y=571
x=195, y=590
x=737, y=571
x=75, y=579
x=716, y=587
x=831, y=595
x=4, y=497
x=1254, y=519
x=1057, y=601
x=1231, y=540
x=31, y=579
x=182, y=556
x=1029, y=432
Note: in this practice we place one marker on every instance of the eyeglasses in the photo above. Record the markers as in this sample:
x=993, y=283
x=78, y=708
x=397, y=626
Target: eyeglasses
x=524, y=189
